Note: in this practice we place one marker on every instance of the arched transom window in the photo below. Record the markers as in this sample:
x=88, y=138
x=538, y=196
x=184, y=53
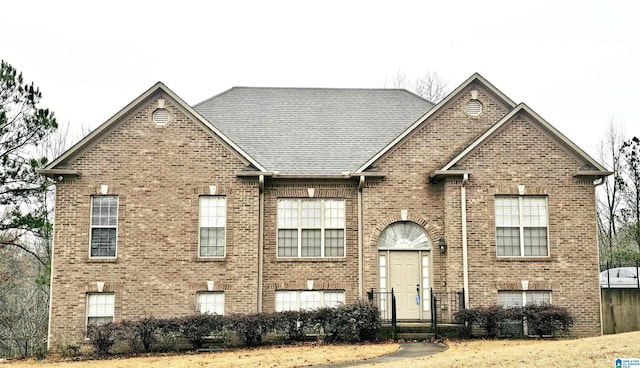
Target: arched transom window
x=404, y=235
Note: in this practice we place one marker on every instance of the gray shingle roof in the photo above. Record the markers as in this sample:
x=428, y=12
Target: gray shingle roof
x=312, y=131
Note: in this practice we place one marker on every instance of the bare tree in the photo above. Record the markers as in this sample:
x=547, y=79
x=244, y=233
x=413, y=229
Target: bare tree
x=631, y=167
x=429, y=86
x=609, y=198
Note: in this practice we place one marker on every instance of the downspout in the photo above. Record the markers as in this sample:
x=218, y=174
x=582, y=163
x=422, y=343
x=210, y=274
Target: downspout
x=465, y=257
x=360, y=238
x=51, y=284
x=595, y=186
x=260, y=238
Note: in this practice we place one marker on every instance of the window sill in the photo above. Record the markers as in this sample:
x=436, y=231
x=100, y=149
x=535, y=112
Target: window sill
x=102, y=260
x=211, y=259
x=524, y=259
x=312, y=259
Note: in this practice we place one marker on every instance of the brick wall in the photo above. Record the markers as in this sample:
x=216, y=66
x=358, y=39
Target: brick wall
x=519, y=154
x=158, y=173
x=327, y=273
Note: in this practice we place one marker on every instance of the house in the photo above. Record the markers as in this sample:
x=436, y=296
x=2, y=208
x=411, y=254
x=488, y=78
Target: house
x=270, y=199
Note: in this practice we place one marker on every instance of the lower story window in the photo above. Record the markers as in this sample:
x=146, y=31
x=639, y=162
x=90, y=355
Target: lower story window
x=305, y=300
x=522, y=298
x=100, y=308
x=511, y=299
x=211, y=302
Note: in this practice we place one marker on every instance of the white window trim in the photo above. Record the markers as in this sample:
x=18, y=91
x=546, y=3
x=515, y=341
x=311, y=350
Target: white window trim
x=226, y=215
x=298, y=294
x=524, y=295
x=91, y=226
x=521, y=226
x=87, y=307
x=217, y=293
x=322, y=227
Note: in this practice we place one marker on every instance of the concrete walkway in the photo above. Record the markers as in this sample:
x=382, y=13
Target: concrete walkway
x=407, y=350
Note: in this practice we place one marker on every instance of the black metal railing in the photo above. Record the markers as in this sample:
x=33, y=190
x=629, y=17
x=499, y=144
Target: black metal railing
x=444, y=305
x=385, y=301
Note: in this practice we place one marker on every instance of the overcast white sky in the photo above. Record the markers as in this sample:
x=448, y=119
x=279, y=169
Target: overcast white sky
x=574, y=62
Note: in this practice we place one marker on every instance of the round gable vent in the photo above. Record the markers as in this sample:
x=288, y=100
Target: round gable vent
x=160, y=116
x=474, y=108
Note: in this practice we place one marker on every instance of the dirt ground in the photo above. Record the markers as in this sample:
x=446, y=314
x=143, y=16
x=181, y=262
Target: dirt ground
x=588, y=352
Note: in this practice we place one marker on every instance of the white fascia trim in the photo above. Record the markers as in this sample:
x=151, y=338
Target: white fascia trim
x=436, y=108
x=522, y=107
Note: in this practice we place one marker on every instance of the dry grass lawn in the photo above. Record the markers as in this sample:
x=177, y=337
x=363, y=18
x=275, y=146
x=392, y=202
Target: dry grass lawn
x=589, y=352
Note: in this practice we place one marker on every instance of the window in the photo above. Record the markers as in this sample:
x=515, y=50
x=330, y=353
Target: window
x=213, y=218
x=311, y=228
x=211, y=302
x=521, y=226
x=104, y=226
x=300, y=300
x=100, y=308
x=403, y=235
x=522, y=298
x=510, y=299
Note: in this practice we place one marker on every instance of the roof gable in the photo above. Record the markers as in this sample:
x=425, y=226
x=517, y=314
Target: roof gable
x=312, y=131
x=590, y=168
x=475, y=78
x=62, y=166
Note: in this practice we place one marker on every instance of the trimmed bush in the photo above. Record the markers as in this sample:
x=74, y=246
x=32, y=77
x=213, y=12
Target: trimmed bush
x=541, y=320
x=196, y=329
x=102, y=337
x=249, y=328
x=140, y=333
x=351, y=323
x=293, y=325
x=546, y=319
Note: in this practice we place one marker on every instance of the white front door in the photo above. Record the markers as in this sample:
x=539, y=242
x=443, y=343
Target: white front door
x=405, y=279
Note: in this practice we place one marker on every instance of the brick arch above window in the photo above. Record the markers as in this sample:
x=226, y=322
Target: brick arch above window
x=432, y=231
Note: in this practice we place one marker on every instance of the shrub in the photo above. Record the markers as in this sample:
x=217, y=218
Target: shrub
x=546, y=319
x=467, y=318
x=249, y=328
x=349, y=323
x=490, y=318
x=169, y=332
x=196, y=329
x=140, y=332
x=542, y=320
x=292, y=325
x=102, y=337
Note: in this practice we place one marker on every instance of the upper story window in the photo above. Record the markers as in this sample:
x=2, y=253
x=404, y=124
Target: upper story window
x=100, y=308
x=311, y=228
x=213, y=218
x=104, y=226
x=521, y=226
